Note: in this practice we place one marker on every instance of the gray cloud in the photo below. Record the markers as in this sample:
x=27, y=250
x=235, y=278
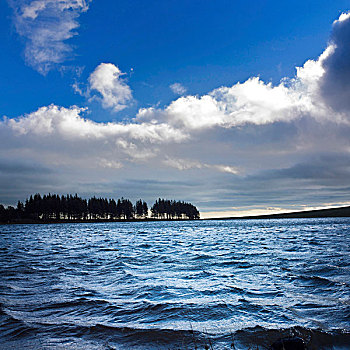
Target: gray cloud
x=20, y=168
x=329, y=170
x=335, y=84
x=19, y=178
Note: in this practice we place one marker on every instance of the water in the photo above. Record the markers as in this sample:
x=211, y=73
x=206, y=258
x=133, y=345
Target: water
x=175, y=285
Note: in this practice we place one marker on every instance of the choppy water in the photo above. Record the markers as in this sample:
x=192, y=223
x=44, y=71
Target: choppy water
x=175, y=285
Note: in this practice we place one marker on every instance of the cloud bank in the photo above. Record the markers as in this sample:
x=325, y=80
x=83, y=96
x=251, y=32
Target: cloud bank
x=67, y=123
x=249, y=142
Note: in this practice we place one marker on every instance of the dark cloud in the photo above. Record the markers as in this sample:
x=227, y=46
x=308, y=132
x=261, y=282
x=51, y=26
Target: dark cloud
x=21, y=168
x=318, y=180
x=335, y=84
x=150, y=189
x=18, y=181
x=330, y=168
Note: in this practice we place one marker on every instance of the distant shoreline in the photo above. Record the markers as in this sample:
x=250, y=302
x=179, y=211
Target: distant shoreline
x=95, y=221
x=319, y=213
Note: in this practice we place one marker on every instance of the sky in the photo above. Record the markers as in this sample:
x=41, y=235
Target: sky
x=238, y=107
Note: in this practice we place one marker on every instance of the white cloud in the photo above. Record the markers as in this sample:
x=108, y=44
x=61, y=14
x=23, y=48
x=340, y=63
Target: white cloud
x=251, y=102
x=115, y=93
x=343, y=17
x=182, y=164
x=79, y=89
x=69, y=124
x=178, y=89
x=254, y=102
x=312, y=71
x=186, y=164
x=227, y=169
x=136, y=152
x=110, y=163
x=47, y=25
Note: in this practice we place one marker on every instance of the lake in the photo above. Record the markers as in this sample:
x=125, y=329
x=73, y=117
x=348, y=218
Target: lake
x=234, y=284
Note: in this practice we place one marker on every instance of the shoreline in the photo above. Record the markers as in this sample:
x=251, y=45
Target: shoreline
x=318, y=213
x=94, y=221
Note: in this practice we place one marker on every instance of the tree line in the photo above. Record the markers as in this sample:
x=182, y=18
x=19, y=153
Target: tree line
x=170, y=209
x=53, y=207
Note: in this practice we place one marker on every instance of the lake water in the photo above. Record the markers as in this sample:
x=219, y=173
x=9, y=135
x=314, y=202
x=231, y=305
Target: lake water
x=175, y=285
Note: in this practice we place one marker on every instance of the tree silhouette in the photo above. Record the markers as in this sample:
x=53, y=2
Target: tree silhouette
x=141, y=209
x=52, y=207
x=170, y=209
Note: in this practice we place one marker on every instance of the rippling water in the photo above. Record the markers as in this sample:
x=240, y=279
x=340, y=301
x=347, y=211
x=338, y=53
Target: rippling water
x=170, y=285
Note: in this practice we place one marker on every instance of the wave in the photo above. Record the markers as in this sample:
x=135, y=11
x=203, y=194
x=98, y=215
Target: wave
x=262, y=338
x=317, y=281
x=12, y=328
x=121, y=337
x=88, y=285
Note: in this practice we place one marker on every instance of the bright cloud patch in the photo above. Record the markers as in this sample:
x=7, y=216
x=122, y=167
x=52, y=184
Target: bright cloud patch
x=47, y=25
x=343, y=17
x=69, y=124
x=186, y=164
x=252, y=102
x=319, y=90
x=178, y=89
x=106, y=80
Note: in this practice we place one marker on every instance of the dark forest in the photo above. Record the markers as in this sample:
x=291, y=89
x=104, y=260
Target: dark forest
x=55, y=208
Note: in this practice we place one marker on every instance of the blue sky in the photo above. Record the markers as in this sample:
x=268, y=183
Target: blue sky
x=206, y=138
x=202, y=44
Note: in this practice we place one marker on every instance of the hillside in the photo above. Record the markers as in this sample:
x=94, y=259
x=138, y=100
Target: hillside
x=320, y=213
